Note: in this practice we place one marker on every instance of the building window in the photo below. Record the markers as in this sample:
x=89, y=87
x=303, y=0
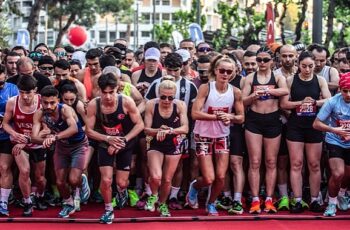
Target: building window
x=157, y=2
x=146, y=18
x=92, y=34
x=166, y=3
x=112, y=36
x=41, y=37
x=122, y=34
x=146, y=34
x=50, y=38
x=27, y=4
x=25, y=19
x=103, y=37
x=157, y=19
x=166, y=17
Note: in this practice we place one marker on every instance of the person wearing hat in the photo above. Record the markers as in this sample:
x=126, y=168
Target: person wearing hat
x=45, y=66
x=143, y=78
x=187, y=71
x=334, y=119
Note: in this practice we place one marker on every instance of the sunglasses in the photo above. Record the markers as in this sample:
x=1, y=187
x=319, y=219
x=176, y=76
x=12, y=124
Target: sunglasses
x=345, y=90
x=204, y=49
x=265, y=60
x=46, y=68
x=35, y=55
x=172, y=69
x=170, y=98
x=227, y=71
x=202, y=71
x=60, y=54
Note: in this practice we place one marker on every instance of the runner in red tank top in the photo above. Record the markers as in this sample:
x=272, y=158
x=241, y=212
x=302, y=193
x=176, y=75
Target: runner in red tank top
x=18, y=123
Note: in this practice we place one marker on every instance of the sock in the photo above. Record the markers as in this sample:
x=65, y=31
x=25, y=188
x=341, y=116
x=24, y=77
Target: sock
x=268, y=198
x=69, y=201
x=108, y=207
x=298, y=199
x=148, y=189
x=173, y=192
x=256, y=198
x=237, y=196
x=27, y=200
x=282, y=188
x=5, y=193
x=77, y=193
x=332, y=200
x=342, y=192
x=228, y=194
x=314, y=199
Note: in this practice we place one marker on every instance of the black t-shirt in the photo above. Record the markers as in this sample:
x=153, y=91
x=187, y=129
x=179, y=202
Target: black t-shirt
x=42, y=80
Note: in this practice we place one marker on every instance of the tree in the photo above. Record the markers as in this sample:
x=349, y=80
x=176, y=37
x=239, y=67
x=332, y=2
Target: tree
x=282, y=17
x=6, y=7
x=34, y=20
x=163, y=32
x=302, y=16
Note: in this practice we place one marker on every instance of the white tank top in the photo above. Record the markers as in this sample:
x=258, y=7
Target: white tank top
x=215, y=102
x=325, y=73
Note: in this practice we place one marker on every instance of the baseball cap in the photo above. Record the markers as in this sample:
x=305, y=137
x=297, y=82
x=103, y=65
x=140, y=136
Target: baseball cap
x=152, y=54
x=184, y=54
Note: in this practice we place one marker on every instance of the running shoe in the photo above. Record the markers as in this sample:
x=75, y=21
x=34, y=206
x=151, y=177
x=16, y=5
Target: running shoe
x=142, y=202
x=77, y=204
x=121, y=199
x=224, y=203
x=255, y=207
x=237, y=208
x=107, y=217
x=164, y=211
x=342, y=203
x=269, y=207
x=66, y=211
x=85, y=189
x=151, y=202
x=39, y=203
x=174, y=204
x=133, y=197
x=315, y=207
x=28, y=210
x=296, y=207
x=4, y=209
x=283, y=203
x=211, y=210
x=330, y=210
x=192, y=196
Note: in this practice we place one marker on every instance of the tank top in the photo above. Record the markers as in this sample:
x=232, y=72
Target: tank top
x=299, y=90
x=236, y=82
x=60, y=125
x=215, y=102
x=272, y=84
x=87, y=83
x=74, y=106
x=325, y=73
x=145, y=78
x=173, y=121
x=117, y=123
x=23, y=122
x=127, y=89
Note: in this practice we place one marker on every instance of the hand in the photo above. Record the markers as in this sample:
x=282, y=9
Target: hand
x=16, y=150
x=164, y=127
x=308, y=100
x=19, y=138
x=112, y=150
x=117, y=142
x=49, y=141
x=224, y=117
x=344, y=134
x=162, y=134
x=44, y=133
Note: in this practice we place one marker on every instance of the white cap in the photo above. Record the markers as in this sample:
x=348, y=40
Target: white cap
x=111, y=69
x=152, y=54
x=184, y=54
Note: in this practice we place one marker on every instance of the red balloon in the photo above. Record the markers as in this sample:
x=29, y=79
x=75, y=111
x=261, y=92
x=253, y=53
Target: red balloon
x=77, y=36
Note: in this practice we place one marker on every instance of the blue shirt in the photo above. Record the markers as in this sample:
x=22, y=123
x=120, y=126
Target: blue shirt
x=336, y=112
x=9, y=90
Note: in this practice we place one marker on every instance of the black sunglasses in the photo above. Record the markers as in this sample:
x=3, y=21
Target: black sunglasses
x=223, y=71
x=202, y=71
x=204, y=49
x=46, y=68
x=265, y=60
x=170, y=98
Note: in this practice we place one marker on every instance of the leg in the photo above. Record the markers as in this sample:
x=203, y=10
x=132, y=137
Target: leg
x=106, y=183
x=236, y=164
x=169, y=167
x=221, y=165
x=155, y=162
x=296, y=153
x=6, y=178
x=271, y=146
x=40, y=180
x=61, y=182
x=313, y=156
x=22, y=161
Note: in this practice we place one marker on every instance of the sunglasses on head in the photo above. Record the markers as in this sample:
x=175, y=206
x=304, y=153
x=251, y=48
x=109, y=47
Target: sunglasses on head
x=223, y=71
x=204, y=49
x=170, y=98
x=265, y=60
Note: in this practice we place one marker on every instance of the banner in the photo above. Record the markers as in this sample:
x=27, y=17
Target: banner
x=270, y=18
x=177, y=38
x=196, y=33
x=23, y=38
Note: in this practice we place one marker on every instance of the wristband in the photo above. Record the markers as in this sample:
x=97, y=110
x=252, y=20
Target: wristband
x=171, y=131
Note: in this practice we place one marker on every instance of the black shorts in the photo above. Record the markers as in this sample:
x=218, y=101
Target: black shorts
x=237, y=141
x=36, y=155
x=122, y=158
x=6, y=146
x=305, y=135
x=283, y=146
x=268, y=125
x=170, y=148
x=335, y=151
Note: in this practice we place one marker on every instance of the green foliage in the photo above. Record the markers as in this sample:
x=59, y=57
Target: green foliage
x=5, y=31
x=163, y=32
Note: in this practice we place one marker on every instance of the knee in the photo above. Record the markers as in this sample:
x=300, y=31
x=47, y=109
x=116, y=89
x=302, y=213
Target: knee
x=254, y=165
x=122, y=183
x=106, y=181
x=314, y=167
x=74, y=180
x=25, y=173
x=338, y=175
x=270, y=164
x=166, y=180
x=5, y=169
x=220, y=179
x=60, y=182
x=40, y=179
x=156, y=178
x=296, y=165
x=208, y=180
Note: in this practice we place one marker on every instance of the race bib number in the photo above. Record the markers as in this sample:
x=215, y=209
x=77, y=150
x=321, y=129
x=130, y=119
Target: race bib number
x=114, y=131
x=265, y=88
x=306, y=110
x=344, y=124
x=216, y=110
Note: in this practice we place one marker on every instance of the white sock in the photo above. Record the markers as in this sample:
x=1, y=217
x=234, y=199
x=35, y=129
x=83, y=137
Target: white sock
x=27, y=200
x=314, y=199
x=148, y=189
x=268, y=198
x=342, y=192
x=69, y=201
x=256, y=198
x=298, y=199
x=77, y=193
x=173, y=192
x=5, y=193
x=228, y=194
x=108, y=207
x=237, y=196
x=332, y=200
x=283, y=190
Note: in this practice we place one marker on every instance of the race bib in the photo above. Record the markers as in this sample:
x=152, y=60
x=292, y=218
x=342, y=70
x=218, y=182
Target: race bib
x=216, y=110
x=344, y=124
x=308, y=109
x=265, y=88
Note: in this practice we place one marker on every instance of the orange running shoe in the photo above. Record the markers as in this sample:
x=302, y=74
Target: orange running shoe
x=255, y=207
x=269, y=207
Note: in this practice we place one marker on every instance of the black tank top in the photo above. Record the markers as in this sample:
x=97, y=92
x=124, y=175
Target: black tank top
x=236, y=82
x=272, y=84
x=145, y=78
x=173, y=121
x=298, y=91
x=74, y=106
x=117, y=123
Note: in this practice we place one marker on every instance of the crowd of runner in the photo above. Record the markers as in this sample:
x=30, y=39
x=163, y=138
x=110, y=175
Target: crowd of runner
x=266, y=128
